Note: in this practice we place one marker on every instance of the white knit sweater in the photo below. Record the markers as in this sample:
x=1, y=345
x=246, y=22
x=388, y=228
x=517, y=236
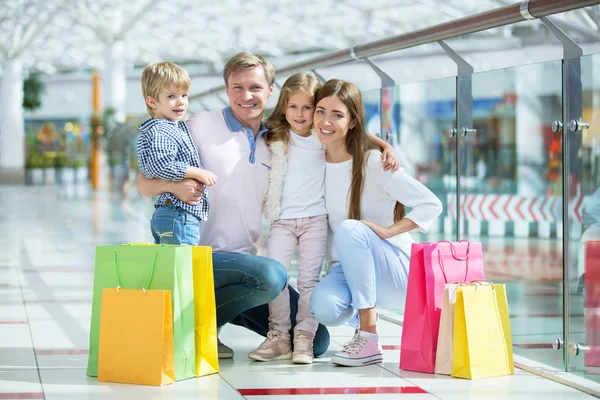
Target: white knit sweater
x=272, y=209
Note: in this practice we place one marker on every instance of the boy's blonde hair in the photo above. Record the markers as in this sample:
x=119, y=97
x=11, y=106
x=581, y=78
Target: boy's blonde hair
x=161, y=75
x=245, y=60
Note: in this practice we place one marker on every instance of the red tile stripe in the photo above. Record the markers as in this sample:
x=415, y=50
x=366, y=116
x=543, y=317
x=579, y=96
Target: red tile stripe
x=60, y=352
x=23, y=395
x=346, y=390
x=390, y=347
x=14, y=322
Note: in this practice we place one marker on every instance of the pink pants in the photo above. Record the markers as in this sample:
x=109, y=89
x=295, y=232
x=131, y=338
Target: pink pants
x=310, y=236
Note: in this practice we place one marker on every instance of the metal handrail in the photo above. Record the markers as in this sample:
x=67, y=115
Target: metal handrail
x=507, y=15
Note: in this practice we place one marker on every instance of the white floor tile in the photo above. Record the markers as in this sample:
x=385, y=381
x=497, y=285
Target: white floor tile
x=49, y=311
x=62, y=333
x=63, y=361
x=19, y=381
x=17, y=357
x=74, y=385
x=13, y=312
x=15, y=336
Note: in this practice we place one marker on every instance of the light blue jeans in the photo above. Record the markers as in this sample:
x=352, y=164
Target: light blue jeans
x=174, y=225
x=372, y=273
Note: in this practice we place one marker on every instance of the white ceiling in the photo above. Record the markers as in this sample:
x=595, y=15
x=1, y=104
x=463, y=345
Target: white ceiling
x=55, y=35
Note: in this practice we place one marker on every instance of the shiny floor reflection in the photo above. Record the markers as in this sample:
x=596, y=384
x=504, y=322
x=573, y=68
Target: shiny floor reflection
x=47, y=246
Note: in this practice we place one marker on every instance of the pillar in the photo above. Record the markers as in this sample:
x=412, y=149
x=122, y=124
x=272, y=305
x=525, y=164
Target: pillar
x=12, y=127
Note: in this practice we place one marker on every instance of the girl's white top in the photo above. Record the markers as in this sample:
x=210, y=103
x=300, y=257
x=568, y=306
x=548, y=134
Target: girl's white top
x=296, y=181
x=382, y=189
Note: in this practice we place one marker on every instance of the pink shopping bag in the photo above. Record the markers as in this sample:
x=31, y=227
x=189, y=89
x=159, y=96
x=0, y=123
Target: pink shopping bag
x=592, y=303
x=432, y=266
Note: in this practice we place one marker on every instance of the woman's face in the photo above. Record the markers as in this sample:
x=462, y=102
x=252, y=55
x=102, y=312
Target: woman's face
x=332, y=120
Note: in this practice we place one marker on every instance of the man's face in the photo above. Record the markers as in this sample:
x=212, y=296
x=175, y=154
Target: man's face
x=248, y=91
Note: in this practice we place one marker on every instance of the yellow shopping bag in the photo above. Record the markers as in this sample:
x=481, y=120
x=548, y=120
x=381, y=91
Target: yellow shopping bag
x=207, y=358
x=205, y=310
x=482, y=345
x=136, y=337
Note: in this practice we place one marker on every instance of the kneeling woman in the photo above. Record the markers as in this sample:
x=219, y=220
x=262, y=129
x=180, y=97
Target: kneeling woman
x=369, y=255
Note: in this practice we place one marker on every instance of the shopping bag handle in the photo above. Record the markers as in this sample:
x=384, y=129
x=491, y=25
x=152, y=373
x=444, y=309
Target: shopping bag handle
x=453, y=250
x=117, y=272
x=441, y=261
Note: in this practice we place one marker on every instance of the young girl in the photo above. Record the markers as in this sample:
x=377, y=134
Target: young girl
x=370, y=252
x=295, y=206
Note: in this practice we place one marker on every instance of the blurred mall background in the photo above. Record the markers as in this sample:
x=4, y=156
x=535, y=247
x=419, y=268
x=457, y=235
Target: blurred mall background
x=500, y=118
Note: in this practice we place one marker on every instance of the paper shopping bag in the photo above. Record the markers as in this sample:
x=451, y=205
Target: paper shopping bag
x=207, y=358
x=171, y=269
x=432, y=266
x=592, y=303
x=443, y=357
x=482, y=342
x=136, y=337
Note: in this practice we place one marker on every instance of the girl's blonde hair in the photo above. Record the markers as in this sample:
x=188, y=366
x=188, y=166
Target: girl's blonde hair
x=279, y=128
x=358, y=142
x=161, y=75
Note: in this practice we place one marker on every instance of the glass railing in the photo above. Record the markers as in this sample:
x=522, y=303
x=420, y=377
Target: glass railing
x=510, y=168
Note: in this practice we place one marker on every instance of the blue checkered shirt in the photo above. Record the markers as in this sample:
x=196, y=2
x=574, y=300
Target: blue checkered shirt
x=165, y=148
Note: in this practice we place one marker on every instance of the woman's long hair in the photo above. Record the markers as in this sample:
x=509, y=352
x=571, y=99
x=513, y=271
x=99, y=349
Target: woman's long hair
x=279, y=128
x=358, y=142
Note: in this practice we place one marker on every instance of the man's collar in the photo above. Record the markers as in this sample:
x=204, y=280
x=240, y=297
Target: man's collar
x=235, y=125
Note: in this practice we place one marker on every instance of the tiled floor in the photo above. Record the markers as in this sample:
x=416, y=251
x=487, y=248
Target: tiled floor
x=47, y=241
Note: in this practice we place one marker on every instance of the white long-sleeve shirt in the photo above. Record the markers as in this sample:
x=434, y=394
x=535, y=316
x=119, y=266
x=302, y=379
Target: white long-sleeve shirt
x=382, y=189
x=305, y=174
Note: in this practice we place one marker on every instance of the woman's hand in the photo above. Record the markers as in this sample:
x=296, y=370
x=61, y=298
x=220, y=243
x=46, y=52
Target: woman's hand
x=389, y=159
x=381, y=231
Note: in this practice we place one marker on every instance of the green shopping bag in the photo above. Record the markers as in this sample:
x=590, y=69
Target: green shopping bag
x=172, y=271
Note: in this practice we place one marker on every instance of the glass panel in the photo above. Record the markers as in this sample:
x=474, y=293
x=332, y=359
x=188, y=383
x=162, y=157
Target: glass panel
x=417, y=119
x=584, y=237
x=372, y=103
x=511, y=184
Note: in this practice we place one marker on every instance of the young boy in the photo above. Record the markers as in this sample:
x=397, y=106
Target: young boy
x=166, y=151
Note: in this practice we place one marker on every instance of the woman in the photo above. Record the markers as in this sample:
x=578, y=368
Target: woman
x=370, y=252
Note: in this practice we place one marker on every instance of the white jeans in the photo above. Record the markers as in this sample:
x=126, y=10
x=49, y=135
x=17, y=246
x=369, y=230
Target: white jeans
x=310, y=236
x=372, y=272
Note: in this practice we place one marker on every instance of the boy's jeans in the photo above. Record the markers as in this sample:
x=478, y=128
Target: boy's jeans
x=174, y=225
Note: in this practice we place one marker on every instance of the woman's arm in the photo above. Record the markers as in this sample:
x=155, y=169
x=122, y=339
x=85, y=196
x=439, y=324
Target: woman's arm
x=386, y=232
x=426, y=207
x=188, y=190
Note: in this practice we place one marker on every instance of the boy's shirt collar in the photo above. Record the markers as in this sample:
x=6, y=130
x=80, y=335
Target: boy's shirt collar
x=151, y=122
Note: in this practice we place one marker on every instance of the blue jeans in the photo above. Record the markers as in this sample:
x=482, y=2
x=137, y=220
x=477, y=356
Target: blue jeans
x=372, y=272
x=174, y=225
x=245, y=284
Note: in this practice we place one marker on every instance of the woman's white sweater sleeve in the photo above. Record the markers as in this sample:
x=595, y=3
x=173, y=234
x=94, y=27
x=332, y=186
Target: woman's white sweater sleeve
x=425, y=206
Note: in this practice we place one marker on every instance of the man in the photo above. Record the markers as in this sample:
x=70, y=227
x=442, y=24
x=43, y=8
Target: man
x=230, y=143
